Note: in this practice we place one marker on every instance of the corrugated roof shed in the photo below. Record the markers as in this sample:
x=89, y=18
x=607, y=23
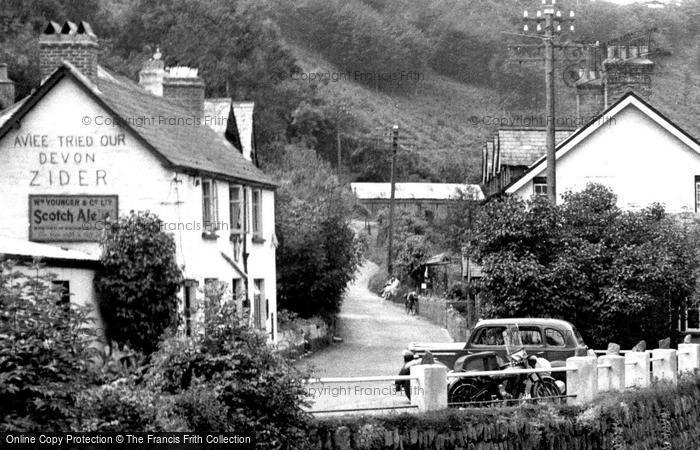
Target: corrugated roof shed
x=416, y=191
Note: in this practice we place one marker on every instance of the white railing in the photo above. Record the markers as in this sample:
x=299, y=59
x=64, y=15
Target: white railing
x=508, y=372
x=586, y=376
x=360, y=379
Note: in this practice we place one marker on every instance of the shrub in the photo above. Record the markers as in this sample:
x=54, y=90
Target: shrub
x=43, y=353
x=227, y=376
x=120, y=407
x=139, y=281
x=619, y=276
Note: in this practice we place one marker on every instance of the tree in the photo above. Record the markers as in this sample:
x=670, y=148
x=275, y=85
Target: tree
x=318, y=253
x=227, y=378
x=619, y=276
x=138, y=282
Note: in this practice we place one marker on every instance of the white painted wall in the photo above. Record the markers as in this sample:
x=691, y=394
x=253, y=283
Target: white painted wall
x=134, y=174
x=80, y=279
x=642, y=163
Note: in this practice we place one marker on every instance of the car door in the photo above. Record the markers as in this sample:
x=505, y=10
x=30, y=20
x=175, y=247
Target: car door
x=557, y=349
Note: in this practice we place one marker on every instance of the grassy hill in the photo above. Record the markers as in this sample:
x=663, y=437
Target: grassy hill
x=445, y=120
x=437, y=120
x=434, y=120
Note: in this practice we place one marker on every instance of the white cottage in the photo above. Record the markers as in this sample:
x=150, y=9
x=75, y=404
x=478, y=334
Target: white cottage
x=632, y=148
x=88, y=144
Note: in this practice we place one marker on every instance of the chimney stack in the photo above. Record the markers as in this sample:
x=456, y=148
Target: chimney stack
x=152, y=74
x=183, y=85
x=76, y=44
x=7, y=89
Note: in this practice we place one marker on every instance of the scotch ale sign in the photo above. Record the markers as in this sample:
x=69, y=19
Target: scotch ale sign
x=70, y=218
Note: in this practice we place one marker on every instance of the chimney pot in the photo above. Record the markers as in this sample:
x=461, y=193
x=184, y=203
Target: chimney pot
x=76, y=44
x=152, y=74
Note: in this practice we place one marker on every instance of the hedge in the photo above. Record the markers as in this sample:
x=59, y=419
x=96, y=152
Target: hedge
x=662, y=416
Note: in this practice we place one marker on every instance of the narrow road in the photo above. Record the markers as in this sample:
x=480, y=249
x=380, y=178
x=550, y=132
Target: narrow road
x=374, y=333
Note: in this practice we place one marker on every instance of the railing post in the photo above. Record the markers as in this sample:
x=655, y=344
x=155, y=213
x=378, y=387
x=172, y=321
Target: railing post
x=611, y=378
x=664, y=365
x=637, y=372
x=688, y=357
x=429, y=392
x=583, y=382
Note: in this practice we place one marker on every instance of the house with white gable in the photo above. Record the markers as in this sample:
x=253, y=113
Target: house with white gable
x=88, y=145
x=633, y=149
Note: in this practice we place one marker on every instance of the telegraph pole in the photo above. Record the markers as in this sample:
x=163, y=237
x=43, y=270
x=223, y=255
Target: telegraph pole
x=552, y=21
x=549, y=99
x=390, y=244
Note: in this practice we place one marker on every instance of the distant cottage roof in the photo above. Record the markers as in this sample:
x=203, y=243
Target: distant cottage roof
x=416, y=191
x=195, y=148
x=524, y=146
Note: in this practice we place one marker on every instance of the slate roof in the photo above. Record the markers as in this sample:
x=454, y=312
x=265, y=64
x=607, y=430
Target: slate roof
x=524, y=146
x=415, y=191
x=193, y=148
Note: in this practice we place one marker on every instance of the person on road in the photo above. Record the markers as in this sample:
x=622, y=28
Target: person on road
x=411, y=303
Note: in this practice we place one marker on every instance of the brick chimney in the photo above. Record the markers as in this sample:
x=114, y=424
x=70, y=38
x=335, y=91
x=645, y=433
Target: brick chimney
x=7, y=88
x=183, y=85
x=625, y=71
x=76, y=44
x=152, y=74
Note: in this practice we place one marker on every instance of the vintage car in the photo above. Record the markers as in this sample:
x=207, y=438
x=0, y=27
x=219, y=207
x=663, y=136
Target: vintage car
x=552, y=339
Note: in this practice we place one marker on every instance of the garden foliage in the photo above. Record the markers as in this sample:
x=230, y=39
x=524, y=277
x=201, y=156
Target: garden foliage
x=139, y=281
x=223, y=378
x=44, y=348
x=619, y=276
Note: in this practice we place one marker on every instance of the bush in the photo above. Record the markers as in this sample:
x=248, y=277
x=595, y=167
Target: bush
x=43, y=354
x=120, y=407
x=139, y=282
x=226, y=378
x=619, y=276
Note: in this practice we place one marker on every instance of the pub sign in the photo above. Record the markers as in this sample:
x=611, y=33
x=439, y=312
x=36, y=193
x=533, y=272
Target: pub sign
x=70, y=218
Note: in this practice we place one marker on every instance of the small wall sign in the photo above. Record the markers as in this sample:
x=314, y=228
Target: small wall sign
x=70, y=218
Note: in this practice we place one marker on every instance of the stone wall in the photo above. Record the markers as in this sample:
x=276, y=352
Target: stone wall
x=304, y=335
x=652, y=418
